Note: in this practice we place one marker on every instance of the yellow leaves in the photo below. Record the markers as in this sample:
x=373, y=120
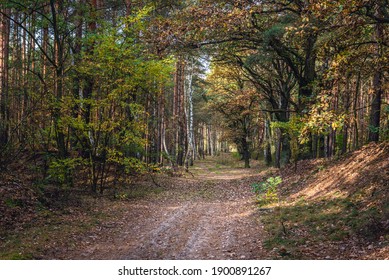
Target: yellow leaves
x=338, y=123
x=290, y=28
x=322, y=119
x=305, y=19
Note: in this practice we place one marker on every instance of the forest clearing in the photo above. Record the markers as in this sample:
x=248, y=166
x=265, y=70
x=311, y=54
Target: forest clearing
x=179, y=129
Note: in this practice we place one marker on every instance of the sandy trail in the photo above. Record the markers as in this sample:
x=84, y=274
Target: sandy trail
x=210, y=216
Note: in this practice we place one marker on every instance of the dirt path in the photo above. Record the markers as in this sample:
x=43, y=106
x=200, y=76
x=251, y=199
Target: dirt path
x=208, y=216
x=212, y=215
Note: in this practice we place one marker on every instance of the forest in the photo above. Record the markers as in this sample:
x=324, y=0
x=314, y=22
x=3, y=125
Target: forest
x=97, y=93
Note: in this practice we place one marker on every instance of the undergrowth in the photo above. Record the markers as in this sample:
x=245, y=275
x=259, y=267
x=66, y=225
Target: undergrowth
x=266, y=192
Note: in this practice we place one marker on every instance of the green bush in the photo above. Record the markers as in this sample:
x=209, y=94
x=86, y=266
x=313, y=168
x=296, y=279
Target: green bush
x=60, y=170
x=266, y=191
x=236, y=155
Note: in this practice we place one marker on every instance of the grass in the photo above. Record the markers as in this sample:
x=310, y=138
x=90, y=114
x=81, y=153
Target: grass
x=9, y=202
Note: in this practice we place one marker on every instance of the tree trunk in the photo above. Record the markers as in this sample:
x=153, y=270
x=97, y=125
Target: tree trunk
x=77, y=90
x=305, y=81
x=278, y=148
x=246, y=152
x=355, y=113
x=189, y=158
x=375, y=112
x=58, y=79
x=179, y=119
x=4, y=56
x=89, y=82
x=267, y=148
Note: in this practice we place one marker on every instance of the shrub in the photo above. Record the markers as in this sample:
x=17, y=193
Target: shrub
x=266, y=191
x=60, y=170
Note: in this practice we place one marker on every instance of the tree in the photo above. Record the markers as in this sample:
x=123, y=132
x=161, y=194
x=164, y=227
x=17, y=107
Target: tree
x=380, y=10
x=4, y=79
x=233, y=97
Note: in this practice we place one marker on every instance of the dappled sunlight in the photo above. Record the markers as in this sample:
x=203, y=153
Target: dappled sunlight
x=334, y=209
x=327, y=189
x=344, y=179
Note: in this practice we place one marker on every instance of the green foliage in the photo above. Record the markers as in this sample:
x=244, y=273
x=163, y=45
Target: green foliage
x=131, y=165
x=292, y=128
x=374, y=129
x=266, y=191
x=277, y=31
x=60, y=170
x=123, y=73
x=13, y=203
x=236, y=155
x=21, y=256
x=339, y=143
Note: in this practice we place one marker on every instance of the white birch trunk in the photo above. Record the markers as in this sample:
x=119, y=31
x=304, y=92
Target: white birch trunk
x=189, y=113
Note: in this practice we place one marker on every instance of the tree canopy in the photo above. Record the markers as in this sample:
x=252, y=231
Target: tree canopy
x=118, y=88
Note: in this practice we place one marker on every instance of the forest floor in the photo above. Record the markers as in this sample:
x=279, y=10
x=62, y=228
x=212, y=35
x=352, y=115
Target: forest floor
x=209, y=213
x=334, y=209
